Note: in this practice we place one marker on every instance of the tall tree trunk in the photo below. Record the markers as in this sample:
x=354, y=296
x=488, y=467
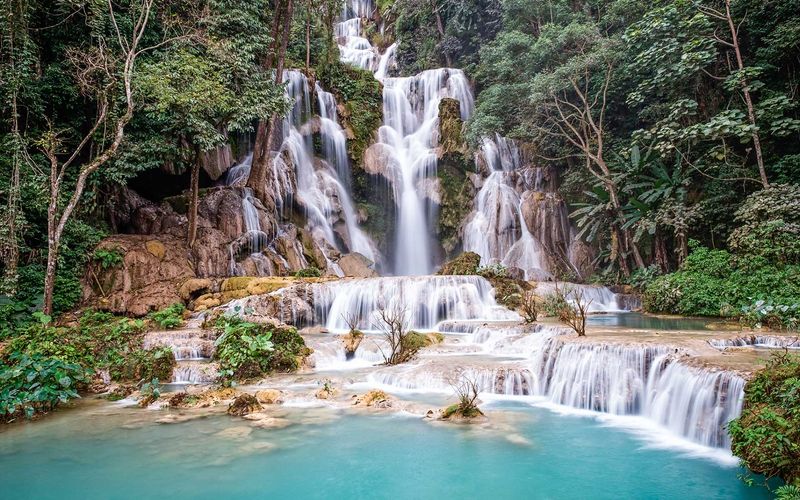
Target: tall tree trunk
x=193, y=197
x=308, y=35
x=265, y=133
x=660, y=252
x=440, y=28
x=751, y=113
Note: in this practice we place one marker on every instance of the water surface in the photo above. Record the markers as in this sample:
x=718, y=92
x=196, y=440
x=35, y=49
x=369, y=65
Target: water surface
x=531, y=453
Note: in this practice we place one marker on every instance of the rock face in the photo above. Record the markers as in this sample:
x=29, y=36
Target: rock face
x=148, y=278
x=159, y=268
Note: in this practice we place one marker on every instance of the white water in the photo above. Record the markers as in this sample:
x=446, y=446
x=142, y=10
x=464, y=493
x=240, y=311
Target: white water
x=410, y=120
x=765, y=341
x=623, y=380
x=318, y=185
x=427, y=300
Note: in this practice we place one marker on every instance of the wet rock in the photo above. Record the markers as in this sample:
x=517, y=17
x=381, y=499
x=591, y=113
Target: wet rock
x=146, y=280
x=351, y=342
x=451, y=139
x=269, y=396
x=327, y=392
x=357, y=266
x=373, y=398
x=238, y=432
x=243, y=405
x=194, y=287
x=268, y=422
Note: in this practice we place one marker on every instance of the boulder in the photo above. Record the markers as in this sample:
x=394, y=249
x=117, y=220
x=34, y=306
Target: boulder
x=269, y=396
x=194, y=287
x=217, y=161
x=357, y=266
x=244, y=404
x=379, y=159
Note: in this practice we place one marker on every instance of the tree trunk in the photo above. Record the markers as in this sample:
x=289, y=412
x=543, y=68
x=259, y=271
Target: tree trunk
x=265, y=133
x=440, y=28
x=308, y=35
x=194, y=192
x=660, y=252
x=751, y=114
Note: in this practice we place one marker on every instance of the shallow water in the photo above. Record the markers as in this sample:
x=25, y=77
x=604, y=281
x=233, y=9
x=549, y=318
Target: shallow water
x=113, y=452
x=647, y=322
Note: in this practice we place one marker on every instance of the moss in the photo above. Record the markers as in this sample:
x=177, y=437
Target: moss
x=465, y=264
x=244, y=404
x=457, y=195
x=362, y=96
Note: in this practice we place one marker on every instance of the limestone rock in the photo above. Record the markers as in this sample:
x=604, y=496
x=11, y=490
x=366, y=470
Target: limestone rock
x=194, y=287
x=243, y=405
x=146, y=280
x=451, y=139
x=269, y=396
x=357, y=266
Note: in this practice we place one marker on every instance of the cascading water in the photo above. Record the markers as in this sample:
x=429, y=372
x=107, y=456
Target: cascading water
x=318, y=184
x=426, y=300
x=410, y=117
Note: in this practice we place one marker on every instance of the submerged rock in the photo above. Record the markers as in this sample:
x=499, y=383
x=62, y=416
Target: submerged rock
x=243, y=405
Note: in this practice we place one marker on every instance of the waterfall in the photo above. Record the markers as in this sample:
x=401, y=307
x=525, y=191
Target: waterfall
x=427, y=300
x=642, y=380
x=411, y=111
x=318, y=185
x=764, y=341
x=410, y=118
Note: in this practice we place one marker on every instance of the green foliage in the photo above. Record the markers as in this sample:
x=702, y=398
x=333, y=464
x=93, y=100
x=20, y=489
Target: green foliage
x=766, y=437
x=149, y=392
x=496, y=270
x=716, y=283
x=107, y=258
x=170, y=317
x=247, y=350
x=98, y=341
x=769, y=225
x=553, y=304
x=765, y=313
x=31, y=384
x=308, y=272
x=146, y=364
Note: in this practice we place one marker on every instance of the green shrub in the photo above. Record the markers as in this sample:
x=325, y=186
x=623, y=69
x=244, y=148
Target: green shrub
x=247, y=350
x=716, y=283
x=36, y=384
x=308, y=272
x=169, y=317
x=98, y=341
x=770, y=225
x=766, y=437
x=149, y=392
x=146, y=364
x=107, y=257
x=490, y=271
x=553, y=304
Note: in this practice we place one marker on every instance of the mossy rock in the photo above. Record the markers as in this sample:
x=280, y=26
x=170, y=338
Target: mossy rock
x=244, y=404
x=465, y=264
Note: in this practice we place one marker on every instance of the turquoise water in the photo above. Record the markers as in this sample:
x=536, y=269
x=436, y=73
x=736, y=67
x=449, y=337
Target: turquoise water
x=530, y=453
x=647, y=322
